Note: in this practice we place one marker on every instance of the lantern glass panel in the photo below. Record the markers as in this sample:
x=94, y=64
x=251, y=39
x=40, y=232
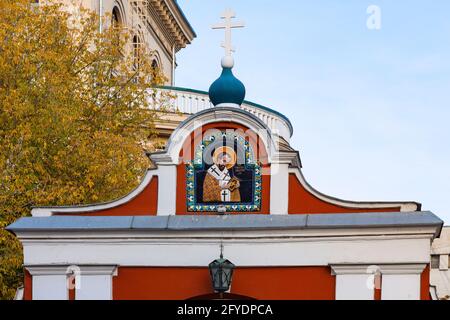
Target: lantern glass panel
x=221, y=272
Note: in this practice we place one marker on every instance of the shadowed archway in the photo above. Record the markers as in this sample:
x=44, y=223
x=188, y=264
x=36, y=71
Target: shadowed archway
x=221, y=296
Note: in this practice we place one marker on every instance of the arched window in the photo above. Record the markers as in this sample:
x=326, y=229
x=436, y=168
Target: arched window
x=116, y=23
x=116, y=18
x=156, y=71
x=136, y=50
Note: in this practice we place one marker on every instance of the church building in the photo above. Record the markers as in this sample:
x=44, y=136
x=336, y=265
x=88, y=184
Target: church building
x=159, y=27
x=440, y=262
x=226, y=213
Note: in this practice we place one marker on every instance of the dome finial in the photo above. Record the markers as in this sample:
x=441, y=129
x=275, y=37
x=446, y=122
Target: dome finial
x=228, y=62
x=227, y=90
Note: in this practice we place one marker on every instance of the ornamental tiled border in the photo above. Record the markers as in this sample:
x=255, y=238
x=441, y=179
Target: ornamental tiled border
x=197, y=163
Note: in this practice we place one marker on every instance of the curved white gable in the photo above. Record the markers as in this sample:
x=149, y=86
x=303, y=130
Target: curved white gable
x=283, y=163
x=217, y=114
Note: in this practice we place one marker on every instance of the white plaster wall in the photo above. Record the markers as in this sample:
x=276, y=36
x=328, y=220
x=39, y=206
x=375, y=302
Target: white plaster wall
x=167, y=190
x=50, y=287
x=94, y=287
x=400, y=287
x=279, y=188
x=243, y=252
x=353, y=287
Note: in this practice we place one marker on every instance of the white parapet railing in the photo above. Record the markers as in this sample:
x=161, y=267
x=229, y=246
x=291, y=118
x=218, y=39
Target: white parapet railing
x=189, y=101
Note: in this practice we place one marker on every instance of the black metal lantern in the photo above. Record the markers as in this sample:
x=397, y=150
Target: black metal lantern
x=221, y=271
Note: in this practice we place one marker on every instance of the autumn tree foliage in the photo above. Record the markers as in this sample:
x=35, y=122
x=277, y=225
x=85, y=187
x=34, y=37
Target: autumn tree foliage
x=76, y=110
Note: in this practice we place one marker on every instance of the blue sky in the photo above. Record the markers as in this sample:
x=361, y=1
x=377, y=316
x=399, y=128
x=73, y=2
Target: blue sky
x=370, y=108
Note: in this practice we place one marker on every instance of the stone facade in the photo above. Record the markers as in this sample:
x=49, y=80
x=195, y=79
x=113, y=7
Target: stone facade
x=440, y=258
x=159, y=25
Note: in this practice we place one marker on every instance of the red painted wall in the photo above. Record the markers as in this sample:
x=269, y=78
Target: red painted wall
x=425, y=284
x=302, y=201
x=280, y=283
x=144, y=204
x=27, y=286
x=259, y=283
x=287, y=283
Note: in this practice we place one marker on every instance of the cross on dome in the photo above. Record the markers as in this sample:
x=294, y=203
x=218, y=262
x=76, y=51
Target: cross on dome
x=228, y=25
x=227, y=90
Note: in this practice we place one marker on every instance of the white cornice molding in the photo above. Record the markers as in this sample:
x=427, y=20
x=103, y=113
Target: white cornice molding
x=286, y=157
x=195, y=253
x=162, y=159
x=157, y=28
x=182, y=22
x=237, y=236
x=350, y=269
x=409, y=268
x=45, y=270
x=170, y=17
x=403, y=269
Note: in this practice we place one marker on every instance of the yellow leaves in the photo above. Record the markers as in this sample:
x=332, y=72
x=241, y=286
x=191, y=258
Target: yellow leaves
x=73, y=116
x=90, y=183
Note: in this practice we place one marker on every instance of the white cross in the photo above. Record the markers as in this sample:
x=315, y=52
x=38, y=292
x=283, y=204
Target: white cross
x=228, y=15
x=226, y=195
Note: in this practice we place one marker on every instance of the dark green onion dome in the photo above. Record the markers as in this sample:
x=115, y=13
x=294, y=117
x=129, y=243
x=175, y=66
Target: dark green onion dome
x=227, y=90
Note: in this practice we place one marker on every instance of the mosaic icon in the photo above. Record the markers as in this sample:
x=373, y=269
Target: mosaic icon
x=224, y=173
